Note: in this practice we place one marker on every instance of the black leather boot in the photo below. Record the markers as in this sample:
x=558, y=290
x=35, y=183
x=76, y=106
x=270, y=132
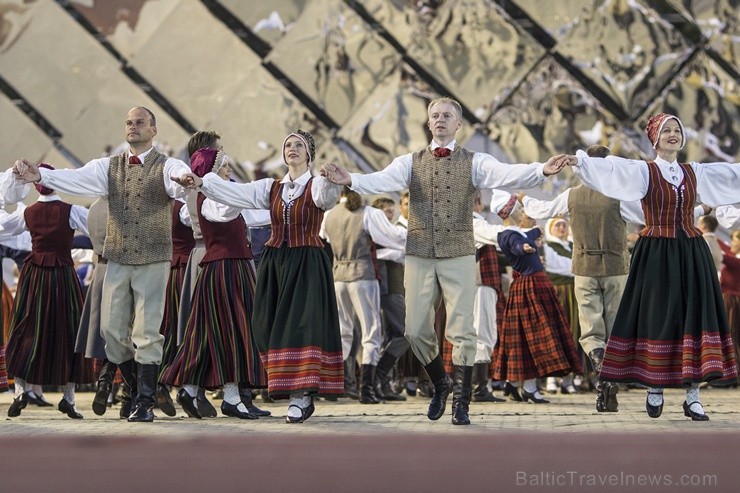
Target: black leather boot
x=606, y=397
x=438, y=375
x=383, y=388
x=480, y=385
x=126, y=402
x=461, y=390
x=350, y=382
x=597, y=359
x=367, y=390
x=128, y=372
x=104, y=388
x=145, y=399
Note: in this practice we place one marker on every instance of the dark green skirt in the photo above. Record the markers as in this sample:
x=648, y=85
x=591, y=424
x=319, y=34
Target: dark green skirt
x=295, y=322
x=671, y=328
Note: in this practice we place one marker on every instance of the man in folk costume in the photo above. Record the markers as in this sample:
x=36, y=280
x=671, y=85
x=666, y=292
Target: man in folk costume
x=352, y=228
x=138, y=246
x=443, y=179
x=671, y=328
x=488, y=292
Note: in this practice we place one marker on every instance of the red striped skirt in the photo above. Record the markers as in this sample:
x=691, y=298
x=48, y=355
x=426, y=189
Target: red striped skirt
x=534, y=337
x=219, y=346
x=46, y=315
x=171, y=310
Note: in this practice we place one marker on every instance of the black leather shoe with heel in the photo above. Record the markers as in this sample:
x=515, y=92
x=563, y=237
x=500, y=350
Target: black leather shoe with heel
x=691, y=414
x=512, y=392
x=654, y=411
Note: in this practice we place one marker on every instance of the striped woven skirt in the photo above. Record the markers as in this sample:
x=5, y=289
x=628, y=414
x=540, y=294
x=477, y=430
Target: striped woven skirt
x=46, y=315
x=296, y=324
x=671, y=328
x=171, y=310
x=534, y=337
x=5, y=315
x=219, y=346
x=567, y=296
x=732, y=307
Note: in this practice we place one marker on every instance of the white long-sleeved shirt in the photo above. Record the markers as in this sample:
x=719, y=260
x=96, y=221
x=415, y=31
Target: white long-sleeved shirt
x=256, y=195
x=631, y=211
x=11, y=189
x=376, y=224
x=92, y=179
x=15, y=223
x=555, y=263
x=728, y=216
x=487, y=172
x=485, y=233
x=628, y=179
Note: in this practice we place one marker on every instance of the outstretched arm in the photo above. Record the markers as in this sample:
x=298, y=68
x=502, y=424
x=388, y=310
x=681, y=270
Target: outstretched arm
x=335, y=174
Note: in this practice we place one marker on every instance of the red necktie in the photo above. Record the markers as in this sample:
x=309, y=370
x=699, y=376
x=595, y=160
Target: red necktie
x=441, y=152
x=134, y=160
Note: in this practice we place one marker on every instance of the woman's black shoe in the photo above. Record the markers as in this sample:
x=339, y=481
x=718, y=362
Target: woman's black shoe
x=292, y=420
x=188, y=404
x=18, y=404
x=512, y=392
x=38, y=400
x=527, y=396
x=68, y=409
x=233, y=411
x=654, y=411
x=308, y=412
x=691, y=414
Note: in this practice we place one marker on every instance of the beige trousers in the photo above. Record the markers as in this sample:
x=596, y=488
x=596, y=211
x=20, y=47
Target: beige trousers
x=598, y=300
x=132, y=310
x=428, y=281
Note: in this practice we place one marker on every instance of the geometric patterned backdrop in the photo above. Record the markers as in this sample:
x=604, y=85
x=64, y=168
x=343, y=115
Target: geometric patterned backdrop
x=534, y=77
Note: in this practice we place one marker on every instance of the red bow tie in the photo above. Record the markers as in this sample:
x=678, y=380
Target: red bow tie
x=441, y=152
x=134, y=160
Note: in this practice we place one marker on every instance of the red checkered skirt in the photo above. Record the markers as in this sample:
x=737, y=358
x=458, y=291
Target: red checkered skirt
x=534, y=337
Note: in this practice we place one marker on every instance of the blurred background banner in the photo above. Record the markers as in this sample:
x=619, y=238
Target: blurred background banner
x=535, y=77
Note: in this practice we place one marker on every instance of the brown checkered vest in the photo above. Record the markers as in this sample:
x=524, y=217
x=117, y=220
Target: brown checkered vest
x=441, y=200
x=353, y=260
x=599, y=234
x=139, y=227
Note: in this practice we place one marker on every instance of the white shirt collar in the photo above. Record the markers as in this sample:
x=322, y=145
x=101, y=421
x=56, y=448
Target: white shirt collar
x=301, y=180
x=450, y=146
x=49, y=198
x=662, y=162
x=141, y=156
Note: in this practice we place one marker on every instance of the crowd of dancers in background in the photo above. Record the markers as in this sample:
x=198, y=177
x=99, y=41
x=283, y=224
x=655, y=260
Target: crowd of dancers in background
x=274, y=286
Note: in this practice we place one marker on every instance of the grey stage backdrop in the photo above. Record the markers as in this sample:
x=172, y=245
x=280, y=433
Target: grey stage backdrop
x=535, y=77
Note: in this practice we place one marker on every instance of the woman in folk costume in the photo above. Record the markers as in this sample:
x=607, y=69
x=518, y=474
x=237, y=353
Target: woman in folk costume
x=729, y=280
x=182, y=244
x=5, y=314
x=10, y=193
x=219, y=347
x=46, y=312
x=295, y=321
x=558, y=253
x=671, y=328
x=534, y=339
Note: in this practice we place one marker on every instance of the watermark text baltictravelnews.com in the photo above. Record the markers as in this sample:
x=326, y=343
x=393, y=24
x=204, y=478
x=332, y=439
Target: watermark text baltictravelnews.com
x=617, y=479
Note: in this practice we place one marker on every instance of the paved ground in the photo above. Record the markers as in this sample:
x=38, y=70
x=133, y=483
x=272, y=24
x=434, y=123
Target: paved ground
x=563, y=446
